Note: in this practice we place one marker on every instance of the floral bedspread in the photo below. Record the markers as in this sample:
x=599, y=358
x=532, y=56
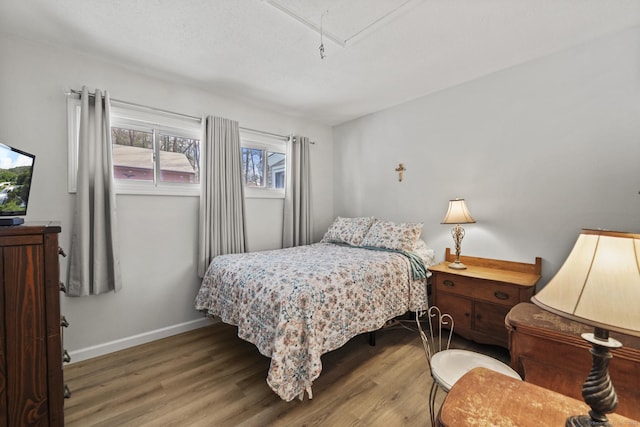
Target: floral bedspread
x=298, y=303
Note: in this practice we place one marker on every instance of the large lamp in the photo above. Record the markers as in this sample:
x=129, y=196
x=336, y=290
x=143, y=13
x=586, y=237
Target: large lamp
x=458, y=213
x=599, y=285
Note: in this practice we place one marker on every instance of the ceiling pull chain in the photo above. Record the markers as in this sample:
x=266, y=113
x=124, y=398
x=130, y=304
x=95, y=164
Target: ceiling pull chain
x=322, y=55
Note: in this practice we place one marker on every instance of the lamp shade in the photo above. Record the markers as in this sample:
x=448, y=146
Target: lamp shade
x=599, y=283
x=458, y=213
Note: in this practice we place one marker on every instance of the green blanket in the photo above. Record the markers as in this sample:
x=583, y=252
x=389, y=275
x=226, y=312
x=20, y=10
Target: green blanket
x=418, y=269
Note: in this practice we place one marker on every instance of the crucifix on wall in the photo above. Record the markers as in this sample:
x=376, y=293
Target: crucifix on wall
x=400, y=169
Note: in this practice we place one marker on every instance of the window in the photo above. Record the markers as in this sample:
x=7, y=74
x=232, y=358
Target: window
x=264, y=165
x=153, y=152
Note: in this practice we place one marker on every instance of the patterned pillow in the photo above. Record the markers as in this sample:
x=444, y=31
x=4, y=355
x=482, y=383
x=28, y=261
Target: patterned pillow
x=390, y=235
x=348, y=230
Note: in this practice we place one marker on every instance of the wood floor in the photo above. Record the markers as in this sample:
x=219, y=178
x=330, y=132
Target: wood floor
x=210, y=377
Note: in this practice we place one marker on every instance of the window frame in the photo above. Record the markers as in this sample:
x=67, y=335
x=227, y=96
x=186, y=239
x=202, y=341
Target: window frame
x=269, y=144
x=129, y=116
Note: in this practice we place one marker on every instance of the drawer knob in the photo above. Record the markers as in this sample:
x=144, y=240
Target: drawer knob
x=65, y=357
x=64, y=322
x=63, y=288
x=501, y=295
x=448, y=283
x=67, y=392
x=61, y=252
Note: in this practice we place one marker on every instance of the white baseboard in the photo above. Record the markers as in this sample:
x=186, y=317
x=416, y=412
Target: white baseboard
x=132, y=341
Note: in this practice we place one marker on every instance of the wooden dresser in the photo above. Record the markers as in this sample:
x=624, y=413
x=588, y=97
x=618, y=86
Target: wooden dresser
x=479, y=297
x=31, y=381
x=548, y=350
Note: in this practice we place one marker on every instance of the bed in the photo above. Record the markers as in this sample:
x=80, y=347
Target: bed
x=296, y=304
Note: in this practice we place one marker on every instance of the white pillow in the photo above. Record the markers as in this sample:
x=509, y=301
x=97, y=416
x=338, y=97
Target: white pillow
x=427, y=254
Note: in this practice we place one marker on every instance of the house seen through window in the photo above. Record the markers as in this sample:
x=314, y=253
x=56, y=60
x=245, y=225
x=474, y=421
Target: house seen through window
x=264, y=165
x=262, y=168
x=154, y=152
x=157, y=152
x=155, y=156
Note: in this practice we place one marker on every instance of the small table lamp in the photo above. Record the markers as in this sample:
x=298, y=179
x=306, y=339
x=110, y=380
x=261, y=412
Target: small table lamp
x=598, y=285
x=458, y=213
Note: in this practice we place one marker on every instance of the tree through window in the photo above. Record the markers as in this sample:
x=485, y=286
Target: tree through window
x=264, y=165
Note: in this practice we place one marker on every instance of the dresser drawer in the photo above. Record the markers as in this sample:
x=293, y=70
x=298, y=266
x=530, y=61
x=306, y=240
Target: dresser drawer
x=455, y=284
x=478, y=289
x=497, y=293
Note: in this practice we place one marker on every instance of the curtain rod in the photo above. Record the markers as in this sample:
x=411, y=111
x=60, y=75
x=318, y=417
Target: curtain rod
x=261, y=132
x=133, y=104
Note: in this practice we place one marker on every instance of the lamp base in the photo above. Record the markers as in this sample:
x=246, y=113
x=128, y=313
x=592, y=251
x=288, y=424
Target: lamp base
x=457, y=265
x=597, y=391
x=586, y=421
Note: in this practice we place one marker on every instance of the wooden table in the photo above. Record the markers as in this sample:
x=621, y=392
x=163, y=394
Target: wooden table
x=486, y=398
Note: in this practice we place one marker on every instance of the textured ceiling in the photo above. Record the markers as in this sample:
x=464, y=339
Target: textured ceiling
x=380, y=53
x=343, y=22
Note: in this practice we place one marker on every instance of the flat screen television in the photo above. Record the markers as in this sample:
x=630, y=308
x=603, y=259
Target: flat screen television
x=16, y=170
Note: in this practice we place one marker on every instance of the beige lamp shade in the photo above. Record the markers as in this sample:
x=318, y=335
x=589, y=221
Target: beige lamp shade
x=599, y=283
x=458, y=213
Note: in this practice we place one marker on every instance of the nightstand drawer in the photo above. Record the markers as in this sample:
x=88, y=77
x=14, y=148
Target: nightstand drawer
x=497, y=293
x=477, y=289
x=455, y=284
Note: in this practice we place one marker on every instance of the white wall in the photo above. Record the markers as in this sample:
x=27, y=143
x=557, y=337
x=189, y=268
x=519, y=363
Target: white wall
x=158, y=235
x=539, y=151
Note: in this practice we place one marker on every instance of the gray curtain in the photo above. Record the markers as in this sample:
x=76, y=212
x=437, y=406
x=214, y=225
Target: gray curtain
x=94, y=264
x=222, y=213
x=297, y=227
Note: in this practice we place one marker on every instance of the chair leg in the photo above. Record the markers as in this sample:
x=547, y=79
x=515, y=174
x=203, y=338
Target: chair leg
x=432, y=402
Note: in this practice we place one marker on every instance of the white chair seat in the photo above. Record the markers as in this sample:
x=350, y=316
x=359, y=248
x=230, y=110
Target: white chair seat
x=447, y=366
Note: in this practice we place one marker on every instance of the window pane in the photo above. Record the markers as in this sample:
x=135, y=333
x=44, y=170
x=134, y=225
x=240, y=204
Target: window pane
x=179, y=159
x=253, y=167
x=276, y=170
x=132, y=154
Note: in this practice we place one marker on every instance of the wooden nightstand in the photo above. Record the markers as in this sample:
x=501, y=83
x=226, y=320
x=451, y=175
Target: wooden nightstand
x=480, y=297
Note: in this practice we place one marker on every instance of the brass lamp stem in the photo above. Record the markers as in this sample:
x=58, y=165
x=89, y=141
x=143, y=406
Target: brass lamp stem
x=457, y=233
